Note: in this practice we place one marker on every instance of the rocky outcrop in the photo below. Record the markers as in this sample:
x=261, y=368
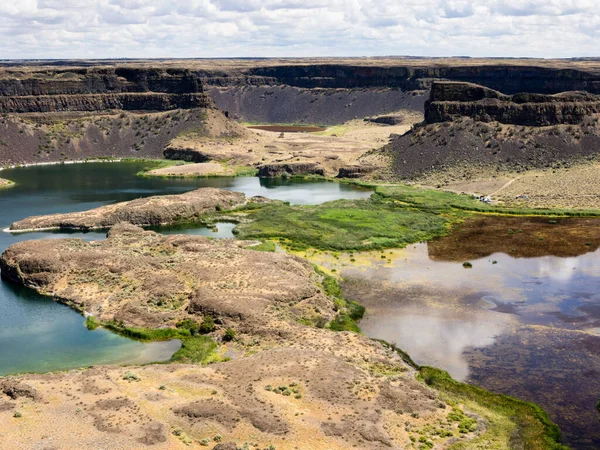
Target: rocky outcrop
x=157, y=210
x=357, y=171
x=386, y=119
x=449, y=100
x=290, y=169
x=189, y=154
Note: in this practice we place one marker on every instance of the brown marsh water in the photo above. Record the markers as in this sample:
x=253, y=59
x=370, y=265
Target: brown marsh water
x=522, y=321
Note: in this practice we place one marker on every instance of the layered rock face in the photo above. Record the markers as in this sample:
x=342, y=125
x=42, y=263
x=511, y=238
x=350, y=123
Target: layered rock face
x=100, y=89
x=449, y=100
x=157, y=210
x=290, y=169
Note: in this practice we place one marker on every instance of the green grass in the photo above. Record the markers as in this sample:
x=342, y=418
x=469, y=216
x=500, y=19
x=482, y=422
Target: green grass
x=349, y=312
x=196, y=350
x=266, y=246
x=509, y=420
x=141, y=334
x=440, y=201
x=344, y=225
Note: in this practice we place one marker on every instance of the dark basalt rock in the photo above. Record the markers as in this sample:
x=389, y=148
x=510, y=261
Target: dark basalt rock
x=290, y=169
x=450, y=100
x=355, y=171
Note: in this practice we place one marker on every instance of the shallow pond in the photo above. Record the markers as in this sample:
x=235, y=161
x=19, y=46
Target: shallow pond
x=39, y=335
x=522, y=326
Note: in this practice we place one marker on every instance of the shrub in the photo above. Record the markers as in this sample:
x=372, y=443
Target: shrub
x=130, y=376
x=229, y=335
x=207, y=325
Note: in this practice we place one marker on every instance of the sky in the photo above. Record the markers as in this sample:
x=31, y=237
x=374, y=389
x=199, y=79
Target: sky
x=277, y=28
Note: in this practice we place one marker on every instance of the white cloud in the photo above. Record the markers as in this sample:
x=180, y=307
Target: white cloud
x=217, y=28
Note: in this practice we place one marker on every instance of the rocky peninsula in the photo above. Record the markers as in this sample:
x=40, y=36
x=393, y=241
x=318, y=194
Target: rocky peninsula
x=157, y=210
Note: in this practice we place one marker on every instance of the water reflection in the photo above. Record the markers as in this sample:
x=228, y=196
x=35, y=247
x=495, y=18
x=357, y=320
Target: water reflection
x=523, y=326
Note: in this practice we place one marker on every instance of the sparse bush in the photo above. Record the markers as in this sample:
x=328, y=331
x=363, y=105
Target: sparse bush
x=229, y=335
x=130, y=376
x=207, y=325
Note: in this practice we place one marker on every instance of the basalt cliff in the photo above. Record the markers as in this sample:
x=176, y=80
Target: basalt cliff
x=468, y=127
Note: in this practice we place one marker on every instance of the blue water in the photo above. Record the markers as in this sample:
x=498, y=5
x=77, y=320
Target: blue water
x=37, y=334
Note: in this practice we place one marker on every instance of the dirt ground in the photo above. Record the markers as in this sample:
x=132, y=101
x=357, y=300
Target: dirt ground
x=572, y=187
x=336, y=147
x=286, y=383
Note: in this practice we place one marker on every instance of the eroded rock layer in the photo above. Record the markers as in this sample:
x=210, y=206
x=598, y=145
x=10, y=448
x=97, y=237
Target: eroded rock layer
x=449, y=100
x=156, y=210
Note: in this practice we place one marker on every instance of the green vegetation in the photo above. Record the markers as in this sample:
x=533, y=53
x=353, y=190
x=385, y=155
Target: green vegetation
x=229, y=335
x=509, y=419
x=207, y=325
x=141, y=334
x=349, y=312
x=440, y=201
x=344, y=225
x=92, y=323
x=130, y=376
x=154, y=164
x=197, y=350
x=393, y=217
x=265, y=246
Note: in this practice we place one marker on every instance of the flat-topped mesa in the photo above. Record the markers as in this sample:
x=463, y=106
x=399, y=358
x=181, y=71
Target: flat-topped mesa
x=150, y=211
x=451, y=100
x=100, y=89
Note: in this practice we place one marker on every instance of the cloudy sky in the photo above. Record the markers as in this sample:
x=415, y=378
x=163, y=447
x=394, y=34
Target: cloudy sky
x=226, y=28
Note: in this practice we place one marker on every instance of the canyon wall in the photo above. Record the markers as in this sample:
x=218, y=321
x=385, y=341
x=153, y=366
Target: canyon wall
x=98, y=89
x=450, y=100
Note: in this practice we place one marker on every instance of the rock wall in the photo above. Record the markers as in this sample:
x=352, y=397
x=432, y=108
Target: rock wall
x=450, y=100
x=509, y=79
x=102, y=102
x=100, y=89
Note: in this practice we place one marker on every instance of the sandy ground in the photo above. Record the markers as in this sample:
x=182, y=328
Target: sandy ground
x=194, y=170
x=573, y=187
x=333, y=148
x=5, y=183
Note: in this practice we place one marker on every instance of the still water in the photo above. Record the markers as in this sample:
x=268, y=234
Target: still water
x=523, y=326
x=39, y=335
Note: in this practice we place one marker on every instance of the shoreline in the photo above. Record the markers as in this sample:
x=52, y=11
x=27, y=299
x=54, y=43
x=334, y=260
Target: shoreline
x=82, y=161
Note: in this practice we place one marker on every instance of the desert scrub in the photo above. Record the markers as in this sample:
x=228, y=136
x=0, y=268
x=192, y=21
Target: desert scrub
x=344, y=225
x=197, y=350
x=130, y=376
x=508, y=419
